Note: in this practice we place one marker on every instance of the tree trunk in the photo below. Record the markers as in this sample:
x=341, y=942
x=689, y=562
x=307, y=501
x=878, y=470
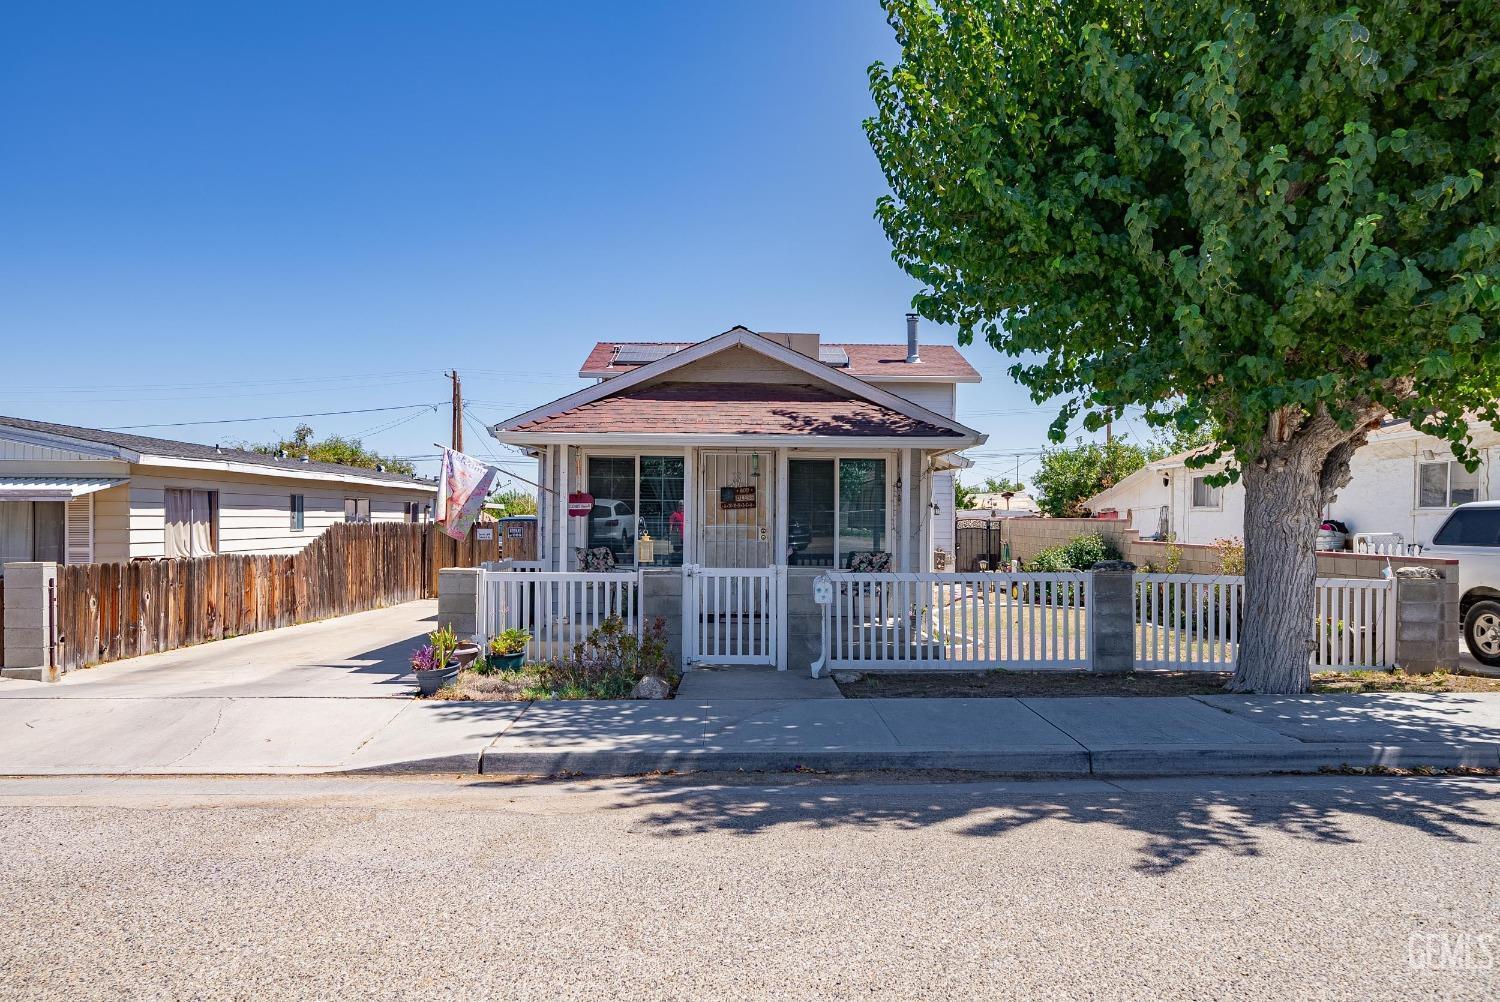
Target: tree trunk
x=1283, y=507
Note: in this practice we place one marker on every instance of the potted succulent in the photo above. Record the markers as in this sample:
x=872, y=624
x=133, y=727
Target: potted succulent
x=434, y=663
x=508, y=648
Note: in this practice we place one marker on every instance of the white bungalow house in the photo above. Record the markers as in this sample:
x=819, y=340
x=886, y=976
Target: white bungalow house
x=1402, y=482
x=749, y=450
x=86, y=495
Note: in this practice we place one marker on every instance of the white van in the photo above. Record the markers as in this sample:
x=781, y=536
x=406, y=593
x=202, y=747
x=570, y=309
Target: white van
x=1472, y=537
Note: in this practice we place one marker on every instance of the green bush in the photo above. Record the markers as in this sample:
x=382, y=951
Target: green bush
x=1078, y=554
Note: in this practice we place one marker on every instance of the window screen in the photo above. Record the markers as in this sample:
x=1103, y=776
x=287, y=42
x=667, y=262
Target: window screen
x=861, y=507
x=298, y=508
x=1205, y=495
x=810, y=519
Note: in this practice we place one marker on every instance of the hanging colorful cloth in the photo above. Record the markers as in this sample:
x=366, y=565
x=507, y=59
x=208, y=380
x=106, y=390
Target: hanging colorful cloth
x=462, y=487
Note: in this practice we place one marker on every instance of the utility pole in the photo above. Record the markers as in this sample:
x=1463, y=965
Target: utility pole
x=458, y=412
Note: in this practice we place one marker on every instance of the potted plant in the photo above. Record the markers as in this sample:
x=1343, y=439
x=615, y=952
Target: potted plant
x=508, y=648
x=434, y=663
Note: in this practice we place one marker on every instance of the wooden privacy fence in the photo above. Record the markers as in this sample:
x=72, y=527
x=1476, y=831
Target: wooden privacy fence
x=107, y=612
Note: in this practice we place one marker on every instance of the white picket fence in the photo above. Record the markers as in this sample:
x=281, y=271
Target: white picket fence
x=1191, y=622
x=560, y=609
x=733, y=615
x=963, y=622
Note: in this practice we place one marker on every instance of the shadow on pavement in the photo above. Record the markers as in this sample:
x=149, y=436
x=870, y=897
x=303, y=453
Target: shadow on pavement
x=1177, y=826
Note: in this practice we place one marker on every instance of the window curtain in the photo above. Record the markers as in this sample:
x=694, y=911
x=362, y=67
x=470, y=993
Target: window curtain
x=190, y=519
x=179, y=514
x=202, y=519
x=15, y=531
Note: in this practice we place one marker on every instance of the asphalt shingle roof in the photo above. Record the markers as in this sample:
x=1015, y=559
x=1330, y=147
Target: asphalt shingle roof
x=170, y=448
x=736, y=409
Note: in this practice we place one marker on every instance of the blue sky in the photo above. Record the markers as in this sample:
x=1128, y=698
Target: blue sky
x=239, y=210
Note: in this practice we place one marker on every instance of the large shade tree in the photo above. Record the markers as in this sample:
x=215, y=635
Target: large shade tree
x=1278, y=217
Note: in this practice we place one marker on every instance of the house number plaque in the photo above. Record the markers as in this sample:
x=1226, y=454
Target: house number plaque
x=736, y=497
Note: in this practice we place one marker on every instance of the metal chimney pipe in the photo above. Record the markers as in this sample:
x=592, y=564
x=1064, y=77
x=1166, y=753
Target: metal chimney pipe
x=913, y=353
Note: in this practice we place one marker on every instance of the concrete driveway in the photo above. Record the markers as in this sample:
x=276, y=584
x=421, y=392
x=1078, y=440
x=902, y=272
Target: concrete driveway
x=359, y=656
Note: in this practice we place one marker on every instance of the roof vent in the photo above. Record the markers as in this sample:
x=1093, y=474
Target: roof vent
x=379, y=467
x=303, y=459
x=913, y=352
x=218, y=451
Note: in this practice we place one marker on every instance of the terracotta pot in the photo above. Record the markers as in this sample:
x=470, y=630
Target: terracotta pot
x=466, y=654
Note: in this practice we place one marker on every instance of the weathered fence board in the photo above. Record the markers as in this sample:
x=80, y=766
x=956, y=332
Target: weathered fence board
x=111, y=611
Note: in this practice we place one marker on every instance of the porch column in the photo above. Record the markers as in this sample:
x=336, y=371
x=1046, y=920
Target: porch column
x=561, y=562
x=690, y=494
x=906, y=512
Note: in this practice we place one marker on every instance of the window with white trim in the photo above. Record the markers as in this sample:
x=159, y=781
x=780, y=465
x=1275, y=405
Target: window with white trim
x=1446, y=484
x=356, y=509
x=1205, y=494
x=836, y=509
x=298, y=512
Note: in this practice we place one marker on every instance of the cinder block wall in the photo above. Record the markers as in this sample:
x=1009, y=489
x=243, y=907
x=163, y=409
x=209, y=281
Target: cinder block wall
x=1029, y=536
x=661, y=596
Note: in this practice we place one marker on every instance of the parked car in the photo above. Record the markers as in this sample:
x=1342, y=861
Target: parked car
x=1471, y=535
x=612, y=524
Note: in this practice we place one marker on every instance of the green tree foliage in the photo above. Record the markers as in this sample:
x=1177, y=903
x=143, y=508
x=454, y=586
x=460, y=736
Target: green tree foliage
x=1069, y=477
x=1277, y=217
x=333, y=449
x=963, y=496
x=999, y=485
x=512, y=502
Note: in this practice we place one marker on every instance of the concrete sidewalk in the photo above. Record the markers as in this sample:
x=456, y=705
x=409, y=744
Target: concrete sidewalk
x=1083, y=736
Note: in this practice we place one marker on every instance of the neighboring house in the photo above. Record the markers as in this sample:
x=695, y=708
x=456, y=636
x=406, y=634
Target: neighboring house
x=983, y=504
x=752, y=450
x=1402, y=481
x=84, y=495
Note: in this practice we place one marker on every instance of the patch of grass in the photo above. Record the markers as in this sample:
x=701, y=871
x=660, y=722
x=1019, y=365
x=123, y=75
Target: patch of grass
x=1399, y=681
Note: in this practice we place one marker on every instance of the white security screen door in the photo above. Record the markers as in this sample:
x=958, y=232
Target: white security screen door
x=736, y=492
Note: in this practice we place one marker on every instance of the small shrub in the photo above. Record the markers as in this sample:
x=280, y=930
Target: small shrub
x=1078, y=554
x=1231, y=556
x=609, y=663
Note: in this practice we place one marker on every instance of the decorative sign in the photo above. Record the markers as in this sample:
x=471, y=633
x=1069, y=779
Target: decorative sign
x=736, y=497
x=484, y=533
x=822, y=591
x=515, y=531
x=580, y=504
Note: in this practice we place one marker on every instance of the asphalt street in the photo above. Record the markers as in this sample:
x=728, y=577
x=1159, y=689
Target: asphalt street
x=816, y=887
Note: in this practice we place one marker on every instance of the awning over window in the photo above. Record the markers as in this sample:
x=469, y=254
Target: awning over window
x=53, y=488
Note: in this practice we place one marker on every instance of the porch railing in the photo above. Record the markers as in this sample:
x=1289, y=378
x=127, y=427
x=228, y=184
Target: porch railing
x=559, y=608
x=964, y=622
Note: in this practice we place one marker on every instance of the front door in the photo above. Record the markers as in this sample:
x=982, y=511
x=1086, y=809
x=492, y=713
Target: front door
x=734, y=593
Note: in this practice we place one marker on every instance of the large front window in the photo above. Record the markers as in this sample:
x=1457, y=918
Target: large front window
x=638, y=508
x=838, y=509
x=192, y=522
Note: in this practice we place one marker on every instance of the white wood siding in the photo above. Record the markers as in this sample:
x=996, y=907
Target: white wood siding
x=942, y=519
x=936, y=397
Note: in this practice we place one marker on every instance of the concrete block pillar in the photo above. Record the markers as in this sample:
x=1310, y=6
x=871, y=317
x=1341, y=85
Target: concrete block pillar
x=459, y=597
x=1427, y=624
x=1110, y=603
x=29, y=629
x=661, y=597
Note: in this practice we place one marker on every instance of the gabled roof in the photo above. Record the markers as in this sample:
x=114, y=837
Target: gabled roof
x=870, y=362
x=527, y=427
x=143, y=448
x=737, y=409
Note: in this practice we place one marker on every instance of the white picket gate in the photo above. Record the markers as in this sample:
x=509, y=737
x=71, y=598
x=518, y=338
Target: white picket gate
x=954, y=622
x=559, y=608
x=1192, y=622
x=733, y=615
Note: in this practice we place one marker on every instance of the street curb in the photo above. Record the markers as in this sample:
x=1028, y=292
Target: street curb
x=1113, y=762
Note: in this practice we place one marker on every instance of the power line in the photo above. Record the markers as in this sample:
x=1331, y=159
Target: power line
x=269, y=417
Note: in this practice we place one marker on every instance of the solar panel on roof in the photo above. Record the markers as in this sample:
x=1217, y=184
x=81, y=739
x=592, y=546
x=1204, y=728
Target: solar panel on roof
x=643, y=354
x=833, y=355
